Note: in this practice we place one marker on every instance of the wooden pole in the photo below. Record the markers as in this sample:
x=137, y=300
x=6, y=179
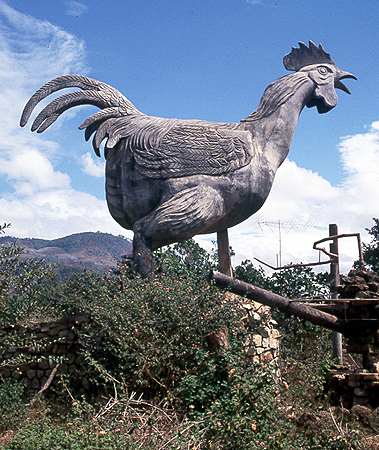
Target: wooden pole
x=223, y=250
x=334, y=282
x=268, y=298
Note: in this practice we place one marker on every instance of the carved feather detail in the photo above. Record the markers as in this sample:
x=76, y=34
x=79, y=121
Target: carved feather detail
x=161, y=148
x=196, y=203
x=170, y=148
x=192, y=149
x=93, y=92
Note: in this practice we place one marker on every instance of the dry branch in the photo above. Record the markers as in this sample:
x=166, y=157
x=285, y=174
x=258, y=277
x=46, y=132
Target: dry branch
x=46, y=385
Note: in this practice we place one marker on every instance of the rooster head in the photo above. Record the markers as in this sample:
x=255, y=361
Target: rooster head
x=313, y=61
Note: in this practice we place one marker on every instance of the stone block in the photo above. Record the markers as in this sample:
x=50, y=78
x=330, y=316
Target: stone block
x=30, y=373
x=35, y=383
x=275, y=334
x=273, y=343
x=257, y=340
x=255, y=317
x=266, y=357
x=264, y=332
x=360, y=392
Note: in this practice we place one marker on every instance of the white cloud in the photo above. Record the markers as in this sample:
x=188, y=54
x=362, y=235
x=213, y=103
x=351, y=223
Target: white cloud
x=32, y=171
x=41, y=201
x=92, y=167
x=306, y=203
x=75, y=8
x=57, y=213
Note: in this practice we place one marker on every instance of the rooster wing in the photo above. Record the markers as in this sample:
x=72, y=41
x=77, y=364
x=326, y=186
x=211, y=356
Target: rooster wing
x=170, y=148
x=162, y=148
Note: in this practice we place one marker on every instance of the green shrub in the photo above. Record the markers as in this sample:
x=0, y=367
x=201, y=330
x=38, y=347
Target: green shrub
x=371, y=250
x=148, y=339
x=185, y=259
x=49, y=436
x=145, y=335
x=12, y=406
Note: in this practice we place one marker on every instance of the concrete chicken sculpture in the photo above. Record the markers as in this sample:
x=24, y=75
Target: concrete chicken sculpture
x=171, y=179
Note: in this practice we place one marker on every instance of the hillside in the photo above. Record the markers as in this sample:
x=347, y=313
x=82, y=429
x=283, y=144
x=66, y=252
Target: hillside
x=98, y=252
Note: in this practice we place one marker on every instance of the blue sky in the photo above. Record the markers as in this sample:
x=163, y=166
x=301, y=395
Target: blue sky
x=212, y=59
x=195, y=59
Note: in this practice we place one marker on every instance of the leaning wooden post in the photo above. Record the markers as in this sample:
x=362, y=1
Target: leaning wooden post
x=334, y=282
x=284, y=304
x=223, y=250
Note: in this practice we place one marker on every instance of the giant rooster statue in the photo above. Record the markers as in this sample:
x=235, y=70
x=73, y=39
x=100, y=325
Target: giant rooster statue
x=170, y=179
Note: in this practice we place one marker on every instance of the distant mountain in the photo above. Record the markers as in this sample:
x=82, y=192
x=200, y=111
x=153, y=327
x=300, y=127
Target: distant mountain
x=98, y=252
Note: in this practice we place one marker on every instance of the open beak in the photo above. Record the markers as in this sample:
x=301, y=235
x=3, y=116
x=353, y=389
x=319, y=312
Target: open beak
x=341, y=75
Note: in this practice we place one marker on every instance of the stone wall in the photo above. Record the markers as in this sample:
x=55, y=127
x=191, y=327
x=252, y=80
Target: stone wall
x=359, y=385
x=54, y=343
x=359, y=283
x=262, y=344
x=58, y=343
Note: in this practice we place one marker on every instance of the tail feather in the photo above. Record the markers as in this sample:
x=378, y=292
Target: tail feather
x=90, y=130
x=100, y=115
x=111, y=102
x=49, y=121
x=61, y=104
x=62, y=82
x=101, y=133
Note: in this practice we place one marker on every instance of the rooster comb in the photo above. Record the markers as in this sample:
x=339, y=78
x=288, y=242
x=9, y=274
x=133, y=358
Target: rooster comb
x=305, y=56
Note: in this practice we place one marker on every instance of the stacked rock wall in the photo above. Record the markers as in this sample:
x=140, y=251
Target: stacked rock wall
x=58, y=343
x=262, y=343
x=361, y=385
x=359, y=283
x=54, y=343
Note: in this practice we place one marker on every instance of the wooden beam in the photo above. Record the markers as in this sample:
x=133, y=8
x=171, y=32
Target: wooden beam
x=268, y=298
x=223, y=250
x=358, y=301
x=334, y=283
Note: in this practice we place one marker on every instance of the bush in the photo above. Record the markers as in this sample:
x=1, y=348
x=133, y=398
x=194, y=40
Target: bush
x=12, y=407
x=144, y=356
x=371, y=250
x=145, y=335
x=46, y=435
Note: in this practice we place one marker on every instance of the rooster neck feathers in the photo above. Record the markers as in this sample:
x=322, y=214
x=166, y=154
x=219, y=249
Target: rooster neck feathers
x=276, y=94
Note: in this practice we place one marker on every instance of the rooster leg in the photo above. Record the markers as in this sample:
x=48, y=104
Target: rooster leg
x=189, y=212
x=142, y=253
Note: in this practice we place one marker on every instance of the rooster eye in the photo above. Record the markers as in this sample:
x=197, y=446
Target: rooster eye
x=323, y=70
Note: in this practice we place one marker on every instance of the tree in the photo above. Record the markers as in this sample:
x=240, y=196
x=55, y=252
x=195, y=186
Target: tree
x=292, y=283
x=301, y=282
x=371, y=251
x=246, y=271
x=185, y=258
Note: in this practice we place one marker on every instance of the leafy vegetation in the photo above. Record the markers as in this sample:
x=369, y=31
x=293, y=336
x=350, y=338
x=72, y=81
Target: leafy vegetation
x=371, y=250
x=145, y=375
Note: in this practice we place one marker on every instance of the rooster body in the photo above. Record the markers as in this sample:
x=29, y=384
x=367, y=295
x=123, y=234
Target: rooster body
x=170, y=179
